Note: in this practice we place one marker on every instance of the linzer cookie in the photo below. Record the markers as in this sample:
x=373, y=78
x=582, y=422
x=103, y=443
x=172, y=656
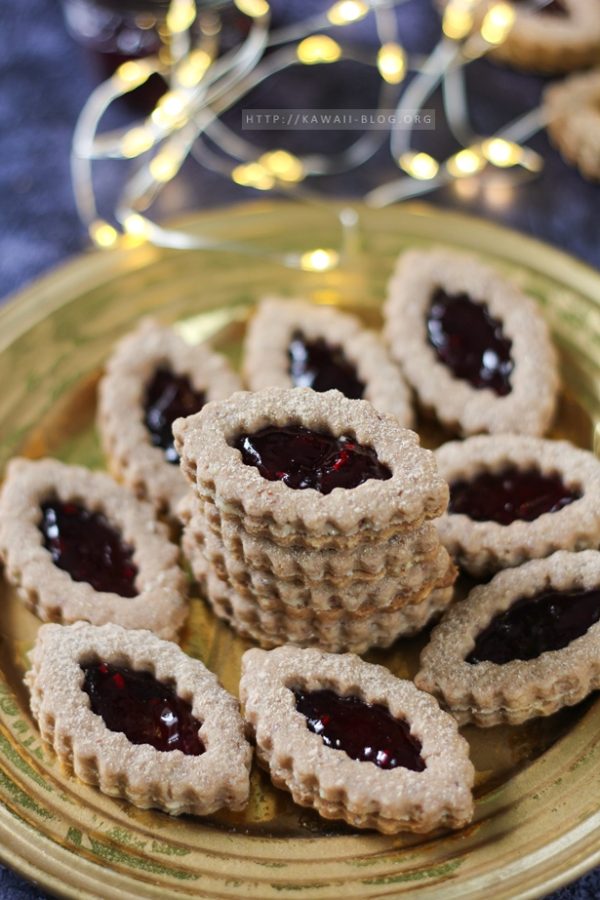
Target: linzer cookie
x=524, y=645
x=284, y=481
x=549, y=35
x=341, y=633
x=293, y=343
x=572, y=110
x=346, y=637
x=366, y=562
x=313, y=615
x=354, y=742
x=325, y=597
x=79, y=546
x=474, y=347
x=138, y=718
x=309, y=469
x=152, y=378
x=552, y=35
x=514, y=498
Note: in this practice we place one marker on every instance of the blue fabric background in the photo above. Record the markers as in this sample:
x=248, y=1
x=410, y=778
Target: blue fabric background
x=45, y=78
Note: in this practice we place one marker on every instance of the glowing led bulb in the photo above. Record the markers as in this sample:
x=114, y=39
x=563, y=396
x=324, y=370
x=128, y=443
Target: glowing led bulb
x=165, y=166
x=253, y=8
x=319, y=260
x=457, y=21
x=170, y=108
x=318, y=49
x=346, y=11
x=283, y=165
x=190, y=71
x=103, y=234
x=466, y=162
x=501, y=153
x=253, y=175
x=137, y=226
x=497, y=23
x=391, y=62
x=181, y=15
x=133, y=72
x=421, y=166
x=135, y=142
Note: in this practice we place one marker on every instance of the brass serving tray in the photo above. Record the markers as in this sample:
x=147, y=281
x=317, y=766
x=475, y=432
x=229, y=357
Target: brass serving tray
x=537, y=821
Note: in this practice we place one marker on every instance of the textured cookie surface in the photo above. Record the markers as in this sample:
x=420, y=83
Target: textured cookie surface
x=159, y=603
x=172, y=781
x=488, y=693
x=337, y=786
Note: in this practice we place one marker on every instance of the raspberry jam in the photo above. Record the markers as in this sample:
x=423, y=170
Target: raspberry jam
x=469, y=341
x=88, y=547
x=142, y=708
x=317, y=365
x=363, y=731
x=302, y=458
x=169, y=397
x=511, y=494
x=533, y=625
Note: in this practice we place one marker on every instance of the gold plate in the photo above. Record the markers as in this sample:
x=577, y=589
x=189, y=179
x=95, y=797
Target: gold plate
x=537, y=822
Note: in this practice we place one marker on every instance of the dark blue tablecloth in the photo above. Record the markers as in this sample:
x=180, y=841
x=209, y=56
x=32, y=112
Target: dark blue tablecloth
x=46, y=77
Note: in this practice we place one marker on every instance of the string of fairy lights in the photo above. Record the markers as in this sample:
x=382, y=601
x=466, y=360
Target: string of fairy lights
x=202, y=84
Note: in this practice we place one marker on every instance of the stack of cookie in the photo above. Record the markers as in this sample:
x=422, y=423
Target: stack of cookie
x=310, y=520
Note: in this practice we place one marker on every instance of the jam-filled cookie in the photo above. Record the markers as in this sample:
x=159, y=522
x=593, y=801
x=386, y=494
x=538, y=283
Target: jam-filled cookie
x=360, y=597
x=342, y=633
x=294, y=343
x=309, y=469
x=548, y=35
x=524, y=645
x=475, y=348
x=79, y=546
x=153, y=378
x=392, y=586
x=368, y=562
x=336, y=626
x=572, y=110
x=138, y=718
x=324, y=600
x=355, y=743
x=514, y=498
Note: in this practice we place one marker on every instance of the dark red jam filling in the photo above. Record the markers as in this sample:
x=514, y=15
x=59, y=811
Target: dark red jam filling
x=317, y=365
x=142, y=708
x=169, y=397
x=364, y=731
x=88, y=547
x=511, y=494
x=533, y=625
x=469, y=341
x=554, y=7
x=310, y=459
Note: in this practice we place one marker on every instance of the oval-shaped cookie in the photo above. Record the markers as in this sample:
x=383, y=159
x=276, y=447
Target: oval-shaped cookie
x=524, y=645
x=369, y=562
x=374, y=479
x=79, y=546
x=514, y=498
x=474, y=347
x=548, y=35
x=138, y=718
x=355, y=743
x=152, y=378
x=294, y=343
x=572, y=110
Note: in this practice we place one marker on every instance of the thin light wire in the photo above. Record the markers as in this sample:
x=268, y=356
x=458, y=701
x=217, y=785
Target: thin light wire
x=187, y=122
